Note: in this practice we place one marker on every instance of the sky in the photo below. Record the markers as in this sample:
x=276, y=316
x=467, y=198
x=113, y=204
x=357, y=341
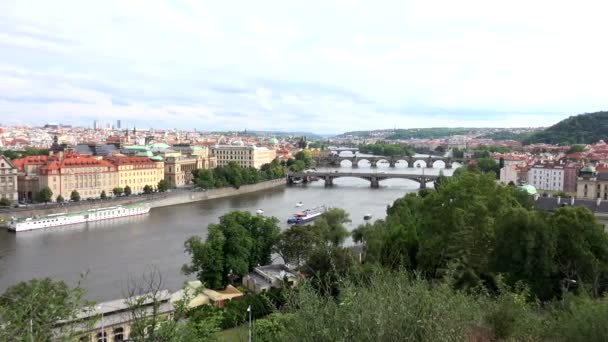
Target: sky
x=325, y=66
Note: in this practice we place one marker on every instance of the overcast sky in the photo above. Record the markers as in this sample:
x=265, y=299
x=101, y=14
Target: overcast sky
x=325, y=66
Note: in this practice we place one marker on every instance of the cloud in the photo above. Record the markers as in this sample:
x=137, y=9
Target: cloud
x=325, y=66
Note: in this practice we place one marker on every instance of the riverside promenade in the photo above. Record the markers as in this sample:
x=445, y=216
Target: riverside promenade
x=175, y=197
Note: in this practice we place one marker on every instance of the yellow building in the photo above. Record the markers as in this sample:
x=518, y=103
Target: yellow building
x=245, y=156
x=137, y=172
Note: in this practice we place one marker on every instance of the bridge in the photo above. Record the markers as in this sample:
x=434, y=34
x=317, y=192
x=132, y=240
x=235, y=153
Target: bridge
x=373, y=177
x=343, y=149
x=335, y=160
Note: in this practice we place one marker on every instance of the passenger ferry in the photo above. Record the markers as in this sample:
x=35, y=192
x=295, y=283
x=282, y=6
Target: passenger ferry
x=55, y=220
x=307, y=215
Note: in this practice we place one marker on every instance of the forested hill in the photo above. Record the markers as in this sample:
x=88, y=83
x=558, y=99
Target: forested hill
x=580, y=129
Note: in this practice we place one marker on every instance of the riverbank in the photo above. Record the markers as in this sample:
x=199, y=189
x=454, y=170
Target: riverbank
x=153, y=200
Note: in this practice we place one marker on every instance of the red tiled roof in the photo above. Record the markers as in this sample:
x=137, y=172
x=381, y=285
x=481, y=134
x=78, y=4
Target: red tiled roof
x=129, y=160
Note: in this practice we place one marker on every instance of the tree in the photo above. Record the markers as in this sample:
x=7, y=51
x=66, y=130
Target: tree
x=75, y=196
x=103, y=195
x=162, y=186
x=128, y=191
x=5, y=202
x=297, y=243
x=60, y=199
x=440, y=149
x=31, y=310
x=45, y=195
x=297, y=166
x=148, y=189
x=330, y=226
x=305, y=157
x=238, y=243
x=576, y=149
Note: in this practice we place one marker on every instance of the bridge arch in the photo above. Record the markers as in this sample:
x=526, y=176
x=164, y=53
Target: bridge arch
x=419, y=163
x=364, y=162
x=346, y=163
x=439, y=164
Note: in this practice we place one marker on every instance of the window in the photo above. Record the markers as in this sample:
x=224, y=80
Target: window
x=119, y=334
x=102, y=336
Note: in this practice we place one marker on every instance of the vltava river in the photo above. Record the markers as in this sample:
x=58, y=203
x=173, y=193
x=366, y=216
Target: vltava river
x=112, y=251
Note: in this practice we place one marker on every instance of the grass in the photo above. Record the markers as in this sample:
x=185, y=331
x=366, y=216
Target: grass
x=236, y=334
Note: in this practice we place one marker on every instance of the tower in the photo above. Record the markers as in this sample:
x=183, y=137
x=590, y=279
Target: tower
x=95, y=124
x=118, y=124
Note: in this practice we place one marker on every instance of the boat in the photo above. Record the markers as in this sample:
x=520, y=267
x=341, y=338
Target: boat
x=299, y=204
x=260, y=211
x=63, y=219
x=307, y=215
x=367, y=217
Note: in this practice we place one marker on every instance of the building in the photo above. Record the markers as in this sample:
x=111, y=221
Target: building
x=245, y=156
x=552, y=177
x=137, y=172
x=118, y=124
x=87, y=175
x=263, y=278
x=8, y=179
x=592, y=184
x=27, y=176
x=178, y=170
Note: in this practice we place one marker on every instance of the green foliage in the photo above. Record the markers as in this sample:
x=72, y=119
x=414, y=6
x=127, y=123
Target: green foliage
x=580, y=129
x=103, y=195
x=128, y=191
x=45, y=195
x=233, y=247
x=576, y=149
x=578, y=319
x=317, y=145
x=296, y=165
x=296, y=243
x=234, y=175
x=330, y=226
x=30, y=310
x=60, y=199
x=10, y=154
x=117, y=191
x=488, y=165
x=75, y=196
x=387, y=149
x=5, y=202
x=507, y=135
x=428, y=133
x=305, y=157
x=162, y=186
x=148, y=189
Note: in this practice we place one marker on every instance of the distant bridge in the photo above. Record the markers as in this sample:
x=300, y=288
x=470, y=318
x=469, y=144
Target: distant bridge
x=373, y=177
x=343, y=149
x=336, y=160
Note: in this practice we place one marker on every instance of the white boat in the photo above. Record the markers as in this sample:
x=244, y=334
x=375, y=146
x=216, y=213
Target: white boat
x=299, y=204
x=55, y=220
x=260, y=211
x=307, y=215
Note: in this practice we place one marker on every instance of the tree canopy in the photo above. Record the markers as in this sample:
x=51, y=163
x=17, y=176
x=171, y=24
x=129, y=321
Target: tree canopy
x=235, y=175
x=586, y=128
x=387, y=149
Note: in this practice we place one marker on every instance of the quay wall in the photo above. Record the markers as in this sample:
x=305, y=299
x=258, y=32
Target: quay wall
x=154, y=200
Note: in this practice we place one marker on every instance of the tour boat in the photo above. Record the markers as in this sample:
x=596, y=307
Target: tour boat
x=299, y=204
x=62, y=219
x=367, y=217
x=307, y=215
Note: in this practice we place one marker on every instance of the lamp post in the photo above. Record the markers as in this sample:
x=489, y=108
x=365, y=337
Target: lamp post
x=103, y=328
x=249, y=311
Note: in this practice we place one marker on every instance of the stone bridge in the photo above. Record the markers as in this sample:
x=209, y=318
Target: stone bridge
x=373, y=177
x=335, y=160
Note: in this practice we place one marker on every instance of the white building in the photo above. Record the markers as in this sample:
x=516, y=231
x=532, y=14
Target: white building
x=547, y=177
x=245, y=156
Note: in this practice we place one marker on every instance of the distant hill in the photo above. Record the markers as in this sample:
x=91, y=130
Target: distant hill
x=580, y=129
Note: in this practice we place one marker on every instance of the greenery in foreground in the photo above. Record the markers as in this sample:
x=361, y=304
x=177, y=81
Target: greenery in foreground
x=234, y=175
x=580, y=129
x=469, y=261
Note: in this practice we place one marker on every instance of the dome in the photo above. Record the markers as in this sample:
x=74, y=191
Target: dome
x=588, y=169
x=530, y=189
x=238, y=143
x=274, y=141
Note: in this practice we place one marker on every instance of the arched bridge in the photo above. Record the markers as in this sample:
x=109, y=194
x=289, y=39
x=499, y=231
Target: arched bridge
x=335, y=160
x=373, y=177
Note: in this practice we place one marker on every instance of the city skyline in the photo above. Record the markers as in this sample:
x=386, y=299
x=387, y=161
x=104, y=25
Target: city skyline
x=325, y=67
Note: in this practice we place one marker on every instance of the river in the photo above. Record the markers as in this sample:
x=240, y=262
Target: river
x=112, y=251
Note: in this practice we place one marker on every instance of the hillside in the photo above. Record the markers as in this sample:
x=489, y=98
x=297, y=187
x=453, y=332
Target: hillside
x=580, y=129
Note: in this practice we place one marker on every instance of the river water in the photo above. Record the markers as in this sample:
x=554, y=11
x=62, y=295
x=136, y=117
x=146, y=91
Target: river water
x=111, y=252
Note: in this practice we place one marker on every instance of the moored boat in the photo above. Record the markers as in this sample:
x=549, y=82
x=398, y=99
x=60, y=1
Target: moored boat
x=62, y=219
x=260, y=211
x=299, y=204
x=307, y=215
